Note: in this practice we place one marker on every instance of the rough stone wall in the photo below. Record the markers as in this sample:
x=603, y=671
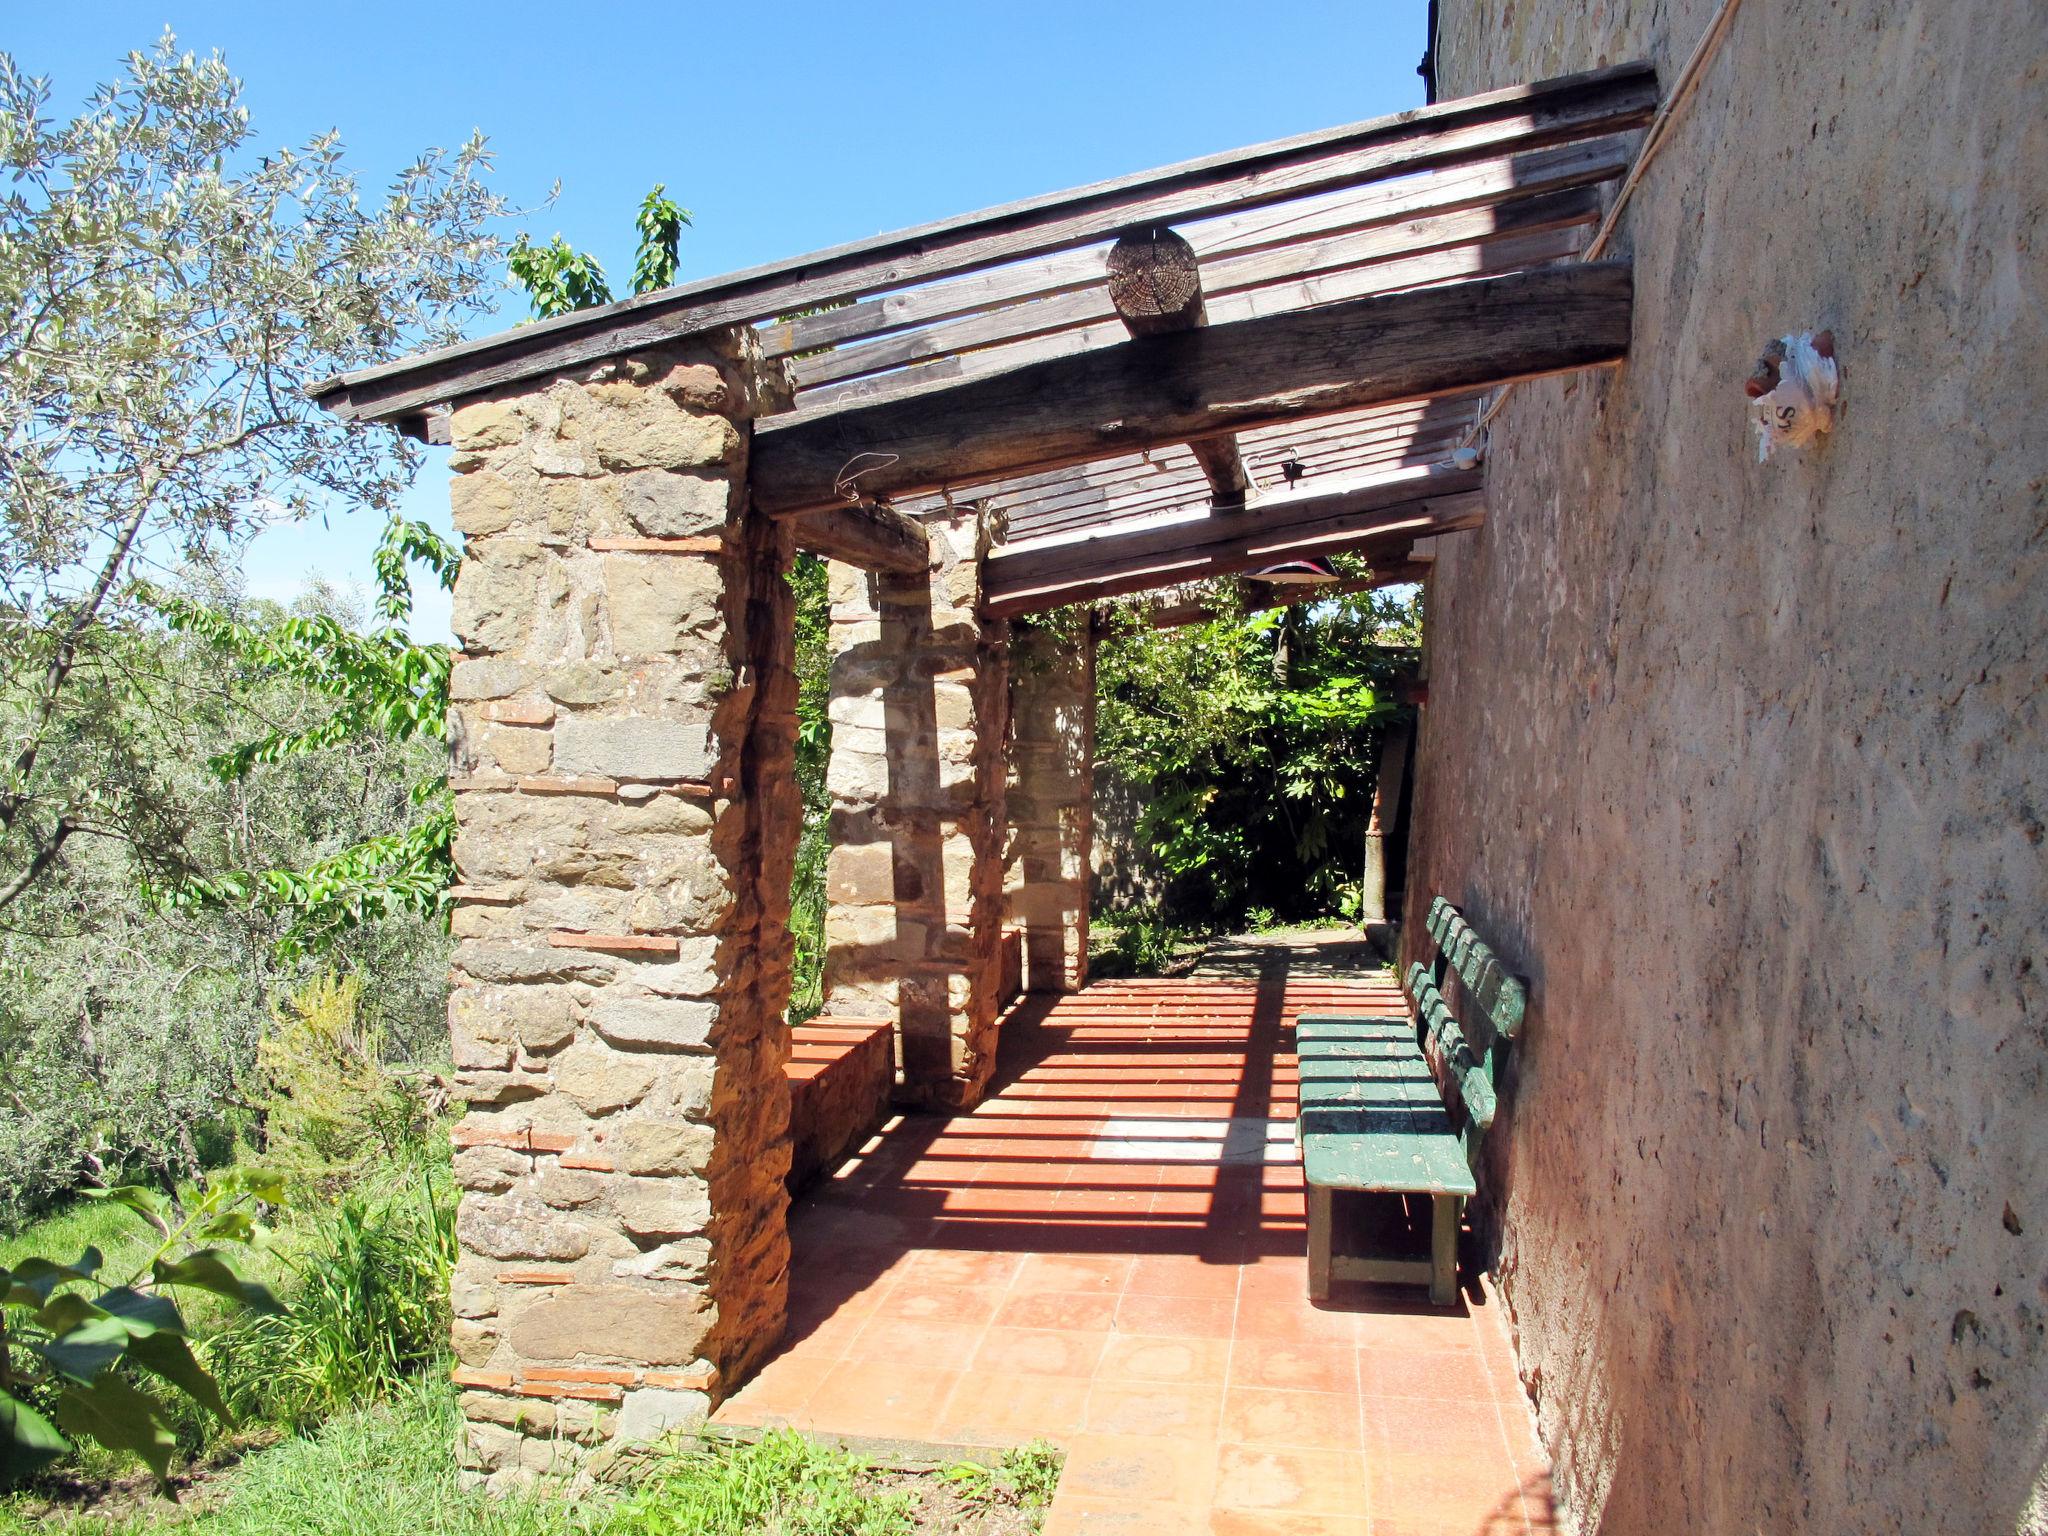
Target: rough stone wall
x=913, y=884
x=1051, y=804
x=1744, y=764
x=627, y=814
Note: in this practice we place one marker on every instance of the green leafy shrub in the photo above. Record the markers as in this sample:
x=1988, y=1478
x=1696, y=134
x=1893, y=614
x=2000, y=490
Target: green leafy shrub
x=85, y=1359
x=367, y=1284
x=1252, y=742
x=330, y=1104
x=1141, y=941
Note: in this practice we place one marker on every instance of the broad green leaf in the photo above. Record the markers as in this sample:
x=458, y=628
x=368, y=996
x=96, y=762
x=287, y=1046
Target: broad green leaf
x=66, y=1311
x=230, y=1226
x=28, y=1441
x=168, y=1356
x=134, y=1196
x=206, y=1270
x=121, y=1417
x=42, y=1277
x=142, y=1311
x=81, y=1353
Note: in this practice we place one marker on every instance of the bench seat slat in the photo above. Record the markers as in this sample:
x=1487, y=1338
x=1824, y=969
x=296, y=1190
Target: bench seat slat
x=1371, y=1117
x=1390, y=1162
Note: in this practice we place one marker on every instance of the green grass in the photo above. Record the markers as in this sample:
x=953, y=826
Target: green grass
x=386, y=1468
x=115, y=1230
x=389, y=1470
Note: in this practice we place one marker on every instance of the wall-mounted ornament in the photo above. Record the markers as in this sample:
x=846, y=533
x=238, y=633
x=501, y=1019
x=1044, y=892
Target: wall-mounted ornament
x=1794, y=392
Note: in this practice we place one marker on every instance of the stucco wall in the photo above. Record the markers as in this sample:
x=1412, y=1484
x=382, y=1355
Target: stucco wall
x=1744, y=765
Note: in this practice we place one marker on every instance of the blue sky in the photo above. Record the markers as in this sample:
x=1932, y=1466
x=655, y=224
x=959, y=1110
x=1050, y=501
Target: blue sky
x=783, y=127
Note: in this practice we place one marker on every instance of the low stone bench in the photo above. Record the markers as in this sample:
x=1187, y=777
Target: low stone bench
x=1400, y=1106
x=840, y=1071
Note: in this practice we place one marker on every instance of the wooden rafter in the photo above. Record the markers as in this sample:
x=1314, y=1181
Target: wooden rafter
x=1064, y=503
x=1273, y=233
x=1128, y=479
x=1382, y=515
x=1391, y=572
x=1463, y=132
x=1234, y=282
x=1194, y=384
x=1155, y=289
x=1457, y=264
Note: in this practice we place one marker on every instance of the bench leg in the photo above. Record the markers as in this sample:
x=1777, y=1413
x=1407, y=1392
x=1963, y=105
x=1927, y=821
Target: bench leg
x=1318, y=1243
x=1443, y=1250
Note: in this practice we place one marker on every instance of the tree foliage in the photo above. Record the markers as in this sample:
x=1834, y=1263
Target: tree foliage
x=166, y=297
x=383, y=684
x=559, y=279
x=130, y=1008
x=1253, y=741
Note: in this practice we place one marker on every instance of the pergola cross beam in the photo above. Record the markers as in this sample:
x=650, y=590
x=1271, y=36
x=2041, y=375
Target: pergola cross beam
x=1201, y=383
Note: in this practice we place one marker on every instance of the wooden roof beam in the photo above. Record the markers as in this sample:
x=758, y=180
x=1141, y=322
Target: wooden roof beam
x=875, y=538
x=1198, y=384
x=1382, y=516
x=1237, y=240
x=1155, y=284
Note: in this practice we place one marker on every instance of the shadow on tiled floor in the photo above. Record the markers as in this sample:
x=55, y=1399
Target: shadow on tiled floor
x=1108, y=1253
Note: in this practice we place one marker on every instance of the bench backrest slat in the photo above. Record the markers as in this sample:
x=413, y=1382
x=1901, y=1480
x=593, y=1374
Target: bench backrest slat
x=1465, y=1046
x=1452, y=1054
x=1486, y=981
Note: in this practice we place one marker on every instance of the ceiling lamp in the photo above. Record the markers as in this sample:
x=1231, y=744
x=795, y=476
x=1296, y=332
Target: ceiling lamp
x=1312, y=572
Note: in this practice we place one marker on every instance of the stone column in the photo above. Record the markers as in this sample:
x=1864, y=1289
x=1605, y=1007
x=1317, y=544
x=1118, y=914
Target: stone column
x=914, y=881
x=1051, y=803
x=627, y=817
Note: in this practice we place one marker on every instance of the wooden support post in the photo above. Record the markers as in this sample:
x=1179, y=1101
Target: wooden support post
x=1155, y=283
x=1443, y=1250
x=1320, y=1238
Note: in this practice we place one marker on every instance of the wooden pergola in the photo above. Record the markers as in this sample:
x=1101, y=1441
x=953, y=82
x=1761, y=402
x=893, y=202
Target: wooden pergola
x=1196, y=372
x=1190, y=372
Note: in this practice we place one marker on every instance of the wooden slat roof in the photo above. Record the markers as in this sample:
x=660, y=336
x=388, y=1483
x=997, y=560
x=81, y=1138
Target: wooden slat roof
x=1481, y=187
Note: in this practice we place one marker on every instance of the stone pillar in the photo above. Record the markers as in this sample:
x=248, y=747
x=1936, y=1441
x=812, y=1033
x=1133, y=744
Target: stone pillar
x=1051, y=803
x=914, y=881
x=627, y=817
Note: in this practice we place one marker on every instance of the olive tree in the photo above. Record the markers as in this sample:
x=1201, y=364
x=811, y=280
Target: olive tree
x=167, y=294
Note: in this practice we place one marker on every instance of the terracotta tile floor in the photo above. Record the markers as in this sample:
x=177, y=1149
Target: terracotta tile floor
x=1108, y=1252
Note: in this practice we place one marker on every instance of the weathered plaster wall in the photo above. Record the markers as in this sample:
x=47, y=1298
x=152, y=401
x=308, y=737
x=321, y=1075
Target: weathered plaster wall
x=1744, y=764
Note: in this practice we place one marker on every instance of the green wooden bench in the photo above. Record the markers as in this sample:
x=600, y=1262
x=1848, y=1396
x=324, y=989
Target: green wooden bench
x=1401, y=1106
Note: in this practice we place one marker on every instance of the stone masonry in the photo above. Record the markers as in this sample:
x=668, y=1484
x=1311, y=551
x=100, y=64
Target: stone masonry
x=914, y=881
x=624, y=734
x=1051, y=804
